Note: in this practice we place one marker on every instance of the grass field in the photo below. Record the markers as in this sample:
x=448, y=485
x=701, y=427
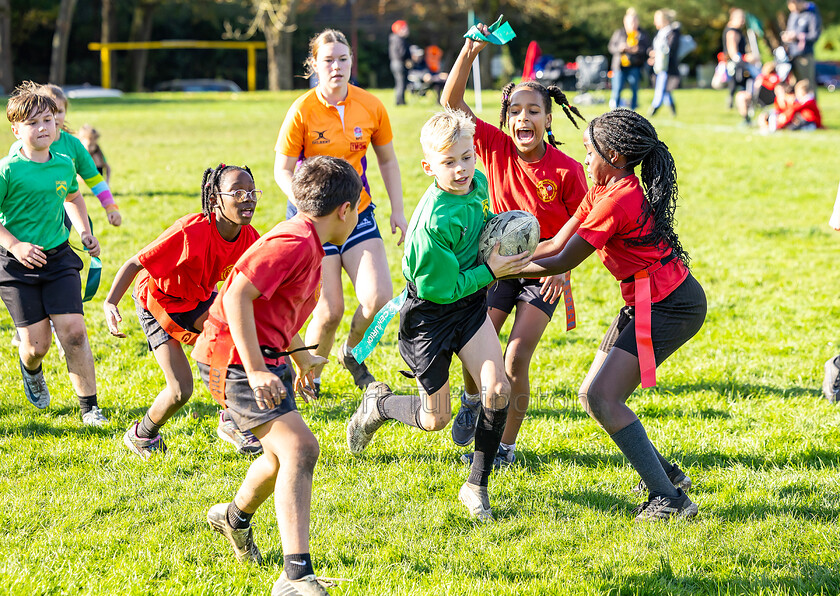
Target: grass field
x=739, y=407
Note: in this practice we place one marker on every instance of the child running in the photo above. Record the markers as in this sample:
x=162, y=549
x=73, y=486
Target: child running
x=630, y=223
x=39, y=272
x=176, y=284
x=89, y=137
x=525, y=173
x=66, y=144
x=255, y=322
x=445, y=312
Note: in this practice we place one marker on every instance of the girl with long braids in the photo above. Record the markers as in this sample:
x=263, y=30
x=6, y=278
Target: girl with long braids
x=630, y=223
x=524, y=172
x=176, y=283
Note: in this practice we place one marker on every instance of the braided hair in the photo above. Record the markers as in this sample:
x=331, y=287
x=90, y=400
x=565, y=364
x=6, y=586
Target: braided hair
x=547, y=94
x=631, y=135
x=211, y=184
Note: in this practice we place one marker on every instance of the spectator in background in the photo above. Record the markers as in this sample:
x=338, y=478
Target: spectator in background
x=804, y=27
x=740, y=63
x=399, y=55
x=629, y=47
x=664, y=59
x=803, y=113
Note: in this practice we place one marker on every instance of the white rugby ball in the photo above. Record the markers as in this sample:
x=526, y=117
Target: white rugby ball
x=517, y=231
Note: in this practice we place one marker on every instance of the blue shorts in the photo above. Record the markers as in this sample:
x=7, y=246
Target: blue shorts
x=365, y=229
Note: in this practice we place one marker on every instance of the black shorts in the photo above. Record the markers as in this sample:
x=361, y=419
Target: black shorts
x=674, y=321
x=366, y=228
x=430, y=333
x=32, y=295
x=504, y=294
x=155, y=335
x=239, y=397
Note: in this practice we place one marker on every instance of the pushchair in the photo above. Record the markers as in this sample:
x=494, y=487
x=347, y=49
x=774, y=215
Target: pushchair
x=592, y=74
x=421, y=77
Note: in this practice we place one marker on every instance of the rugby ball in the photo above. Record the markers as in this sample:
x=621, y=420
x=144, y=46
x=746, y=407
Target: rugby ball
x=517, y=231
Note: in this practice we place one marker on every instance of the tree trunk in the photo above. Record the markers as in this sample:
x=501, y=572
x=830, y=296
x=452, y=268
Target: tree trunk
x=108, y=34
x=58, y=58
x=141, y=30
x=7, y=80
x=278, y=28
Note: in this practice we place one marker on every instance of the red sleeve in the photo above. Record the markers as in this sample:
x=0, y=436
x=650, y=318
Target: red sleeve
x=574, y=188
x=277, y=260
x=383, y=134
x=602, y=223
x=486, y=137
x=167, y=252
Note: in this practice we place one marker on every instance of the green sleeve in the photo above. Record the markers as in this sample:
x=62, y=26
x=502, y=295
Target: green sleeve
x=85, y=166
x=437, y=273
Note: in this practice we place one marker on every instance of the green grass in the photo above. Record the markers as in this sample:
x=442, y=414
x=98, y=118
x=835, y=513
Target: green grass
x=739, y=406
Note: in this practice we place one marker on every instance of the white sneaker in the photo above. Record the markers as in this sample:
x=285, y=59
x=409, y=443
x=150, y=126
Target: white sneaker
x=94, y=418
x=473, y=502
x=308, y=585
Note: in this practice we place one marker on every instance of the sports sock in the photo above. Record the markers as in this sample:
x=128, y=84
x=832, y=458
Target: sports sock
x=666, y=465
x=237, y=518
x=34, y=371
x=87, y=403
x=148, y=429
x=506, y=447
x=298, y=566
x=471, y=398
x=636, y=447
x=488, y=435
x=404, y=408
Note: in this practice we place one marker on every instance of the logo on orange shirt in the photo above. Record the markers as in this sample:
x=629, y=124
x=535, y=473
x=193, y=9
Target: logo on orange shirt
x=358, y=146
x=357, y=132
x=320, y=139
x=226, y=271
x=547, y=190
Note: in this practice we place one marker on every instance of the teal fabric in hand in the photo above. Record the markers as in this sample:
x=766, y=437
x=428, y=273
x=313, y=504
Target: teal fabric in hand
x=498, y=34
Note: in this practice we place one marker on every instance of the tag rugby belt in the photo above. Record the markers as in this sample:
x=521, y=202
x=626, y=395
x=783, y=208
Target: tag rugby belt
x=171, y=327
x=644, y=342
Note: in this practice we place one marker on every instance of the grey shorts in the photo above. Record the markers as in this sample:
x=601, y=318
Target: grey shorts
x=155, y=335
x=239, y=397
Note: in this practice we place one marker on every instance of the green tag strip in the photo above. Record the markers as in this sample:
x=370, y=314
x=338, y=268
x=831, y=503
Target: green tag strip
x=374, y=333
x=93, y=278
x=498, y=34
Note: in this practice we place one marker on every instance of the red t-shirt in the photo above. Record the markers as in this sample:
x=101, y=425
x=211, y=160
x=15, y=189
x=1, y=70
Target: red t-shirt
x=285, y=266
x=551, y=188
x=610, y=216
x=188, y=260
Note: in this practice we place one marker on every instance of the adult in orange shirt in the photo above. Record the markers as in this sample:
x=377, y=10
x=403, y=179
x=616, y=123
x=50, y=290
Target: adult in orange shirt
x=339, y=119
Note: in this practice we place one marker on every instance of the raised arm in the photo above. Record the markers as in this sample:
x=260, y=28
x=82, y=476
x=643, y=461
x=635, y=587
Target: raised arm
x=452, y=95
x=389, y=167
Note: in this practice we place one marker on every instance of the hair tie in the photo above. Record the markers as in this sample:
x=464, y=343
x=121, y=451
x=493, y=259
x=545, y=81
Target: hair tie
x=550, y=132
x=222, y=166
x=207, y=185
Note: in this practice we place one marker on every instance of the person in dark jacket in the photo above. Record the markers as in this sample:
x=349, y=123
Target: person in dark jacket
x=398, y=54
x=740, y=63
x=665, y=59
x=629, y=47
x=804, y=27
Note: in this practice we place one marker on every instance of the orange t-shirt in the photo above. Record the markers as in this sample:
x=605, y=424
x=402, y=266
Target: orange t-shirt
x=610, y=216
x=188, y=260
x=285, y=266
x=314, y=127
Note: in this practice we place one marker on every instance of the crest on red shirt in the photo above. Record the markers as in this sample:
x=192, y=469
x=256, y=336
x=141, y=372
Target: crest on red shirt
x=226, y=271
x=547, y=190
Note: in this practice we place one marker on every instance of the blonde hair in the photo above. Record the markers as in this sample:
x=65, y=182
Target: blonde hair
x=27, y=101
x=444, y=129
x=803, y=87
x=324, y=37
x=666, y=13
x=87, y=132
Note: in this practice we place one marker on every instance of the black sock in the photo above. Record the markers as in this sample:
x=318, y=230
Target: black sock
x=666, y=465
x=488, y=435
x=32, y=372
x=87, y=403
x=237, y=518
x=147, y=429
x=404, y=408
x=635, y=445
x=298, y=566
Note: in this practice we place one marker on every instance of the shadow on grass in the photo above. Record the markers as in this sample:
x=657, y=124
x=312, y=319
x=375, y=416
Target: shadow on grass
x=36, y=426
x=735, y=390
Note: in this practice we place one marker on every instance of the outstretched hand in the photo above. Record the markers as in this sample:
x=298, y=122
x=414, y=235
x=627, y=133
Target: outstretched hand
x=305, y=364
x=503, y=266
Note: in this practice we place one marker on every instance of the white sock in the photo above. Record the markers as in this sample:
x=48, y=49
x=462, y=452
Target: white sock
x=511, y=447
x=470, y=398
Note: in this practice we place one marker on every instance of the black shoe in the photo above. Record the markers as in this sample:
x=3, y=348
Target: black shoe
x=677, y=477
x=661, y=508
x=359, y=370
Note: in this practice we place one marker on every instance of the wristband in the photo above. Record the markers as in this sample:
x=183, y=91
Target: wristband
x=111, y=208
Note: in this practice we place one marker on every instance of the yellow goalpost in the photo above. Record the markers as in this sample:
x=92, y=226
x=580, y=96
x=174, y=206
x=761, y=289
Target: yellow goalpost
x=105, y=50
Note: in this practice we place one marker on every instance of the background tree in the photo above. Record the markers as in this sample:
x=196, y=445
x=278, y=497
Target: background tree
x=7, y=80
x=58, y=58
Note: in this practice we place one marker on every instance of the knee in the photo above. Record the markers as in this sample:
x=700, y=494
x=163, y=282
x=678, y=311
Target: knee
x=432, y=421
x=74, y=338
x=372, y=304
x=332, y=315
x=594, y=404
x=498, y=395
x=182, y=390
x=36, y=351
x=517, y=366
x=305, y=450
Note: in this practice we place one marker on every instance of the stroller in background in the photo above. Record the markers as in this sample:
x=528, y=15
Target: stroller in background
x=424, y=74
x=592, y=75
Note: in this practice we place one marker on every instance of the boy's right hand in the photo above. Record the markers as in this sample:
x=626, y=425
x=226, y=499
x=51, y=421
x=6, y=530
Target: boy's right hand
x=268, y=390
x=113, y=318
x=503, y=266
x=29, y=255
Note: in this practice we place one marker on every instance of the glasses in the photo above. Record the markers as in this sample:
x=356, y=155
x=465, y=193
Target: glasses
x=241, y=195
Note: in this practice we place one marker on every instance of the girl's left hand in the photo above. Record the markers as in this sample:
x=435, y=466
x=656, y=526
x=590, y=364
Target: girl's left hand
x=114, y=218
x=552, y=287
x=91, y=244
x=305, y=365
x=398, y=221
